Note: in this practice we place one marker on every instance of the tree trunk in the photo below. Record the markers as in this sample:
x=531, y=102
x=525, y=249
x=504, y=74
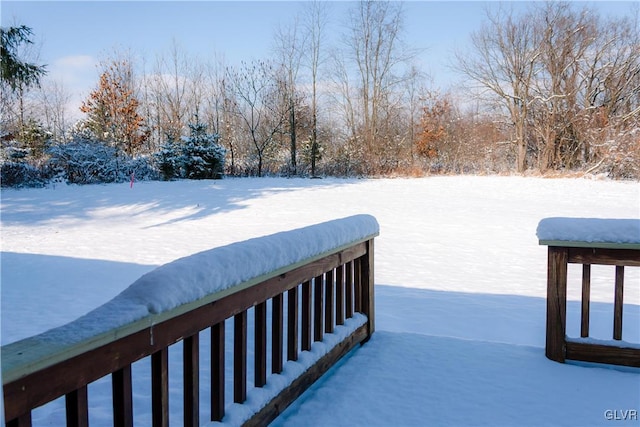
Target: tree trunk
x=292, y=135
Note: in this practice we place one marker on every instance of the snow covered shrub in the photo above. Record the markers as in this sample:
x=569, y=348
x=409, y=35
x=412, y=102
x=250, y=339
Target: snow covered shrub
x=92, y=162
x=21, y=174
x=141, y=166
x=83, y=162
x=622, y=159
x=202, y=156
x=16, y=168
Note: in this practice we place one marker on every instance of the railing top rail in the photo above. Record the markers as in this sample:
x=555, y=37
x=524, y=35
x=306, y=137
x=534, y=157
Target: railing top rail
x=595, y=245
x=184, y=285
x=604, y=233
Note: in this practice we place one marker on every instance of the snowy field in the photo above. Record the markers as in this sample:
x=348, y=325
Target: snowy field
x=460, y=288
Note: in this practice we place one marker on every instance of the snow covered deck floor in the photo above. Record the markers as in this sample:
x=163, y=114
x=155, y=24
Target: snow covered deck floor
x=470, y=371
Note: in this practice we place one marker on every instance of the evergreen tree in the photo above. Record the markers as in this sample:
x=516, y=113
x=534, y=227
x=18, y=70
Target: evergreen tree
x=17, y=76
x=168, y=159
x=13, y=71
x=202, y=156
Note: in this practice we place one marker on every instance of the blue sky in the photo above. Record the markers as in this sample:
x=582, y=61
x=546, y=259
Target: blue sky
x=74, y=35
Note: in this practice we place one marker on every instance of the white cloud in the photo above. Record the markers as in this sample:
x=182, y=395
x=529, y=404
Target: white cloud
x=76, y=71
x=75, y=61
x=78, y=74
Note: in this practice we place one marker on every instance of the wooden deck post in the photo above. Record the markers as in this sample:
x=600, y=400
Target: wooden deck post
x=366, y=288
x=556, y=303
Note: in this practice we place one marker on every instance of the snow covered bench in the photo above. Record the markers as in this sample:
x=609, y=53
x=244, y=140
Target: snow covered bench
x=588, y=241
x=319, y=280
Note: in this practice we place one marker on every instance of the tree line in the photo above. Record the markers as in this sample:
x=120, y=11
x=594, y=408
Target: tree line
x=553, y=88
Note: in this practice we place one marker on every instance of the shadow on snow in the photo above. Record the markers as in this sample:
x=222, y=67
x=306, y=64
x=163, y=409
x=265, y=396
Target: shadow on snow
x=199, y=199
x=471, y=359
x=51, y=291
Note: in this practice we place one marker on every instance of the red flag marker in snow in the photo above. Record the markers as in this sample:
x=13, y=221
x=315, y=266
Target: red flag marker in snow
x=133, y=178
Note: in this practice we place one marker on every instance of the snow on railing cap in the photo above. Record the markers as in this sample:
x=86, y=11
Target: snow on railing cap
x=589, y=230
x=191, y=278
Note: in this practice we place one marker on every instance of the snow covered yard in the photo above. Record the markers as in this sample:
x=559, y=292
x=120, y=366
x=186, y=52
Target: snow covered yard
x=460, y=287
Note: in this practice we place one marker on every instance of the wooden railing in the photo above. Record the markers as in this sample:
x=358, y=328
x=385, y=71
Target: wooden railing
x=559, y=347
x=307, y=300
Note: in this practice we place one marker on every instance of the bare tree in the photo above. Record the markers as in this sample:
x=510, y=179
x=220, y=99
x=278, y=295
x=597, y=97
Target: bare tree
x=380, y=59
x=214, y=93
x=289, y=46
x=614, y=101
x=257, y=104
x=316, y=24
x=54, y=98
x=565, y=38
x=503, y=61
x=230, y=124
x=169, y=88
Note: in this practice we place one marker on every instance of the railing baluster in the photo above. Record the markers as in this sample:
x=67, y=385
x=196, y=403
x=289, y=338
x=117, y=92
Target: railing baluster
x=122, y=397
x=617, y=305
x=77, y=408
x=586, y=297
x=357, y=285
x=160, y=388
x=240, y=357
x=191, y=397
x=349, y=287
x=277, y=333
x=292, y=324
x=22, y=421
x=328, y=302
x=217, y=371
x=340, y=295
x=260, y=345
x=317, y=308
x=306, y=316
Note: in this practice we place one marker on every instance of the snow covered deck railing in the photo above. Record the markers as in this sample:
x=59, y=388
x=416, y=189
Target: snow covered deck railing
x=319, y=281
x=588, y=241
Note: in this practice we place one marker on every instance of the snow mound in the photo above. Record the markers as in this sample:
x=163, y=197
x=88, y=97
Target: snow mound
x=193, y=277
x=590, y=230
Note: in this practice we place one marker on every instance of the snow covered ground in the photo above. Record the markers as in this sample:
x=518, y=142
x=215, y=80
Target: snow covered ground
x=460, y=288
